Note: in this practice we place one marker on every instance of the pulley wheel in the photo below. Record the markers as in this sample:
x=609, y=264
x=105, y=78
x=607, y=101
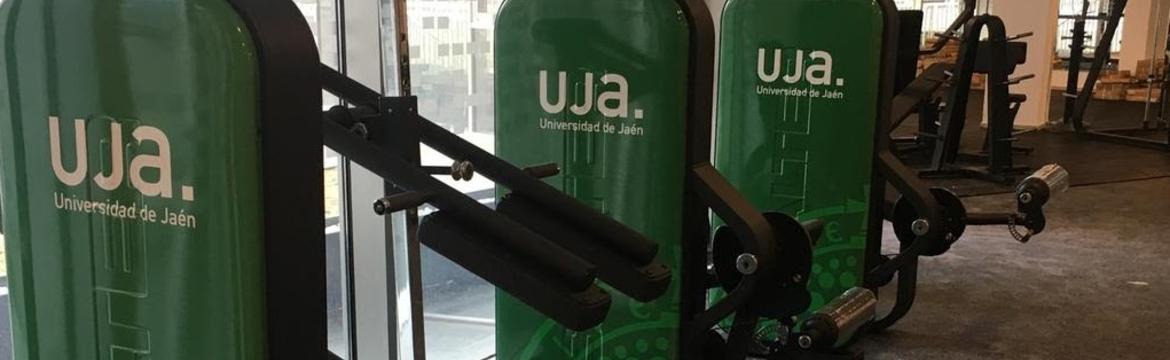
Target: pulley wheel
x=784, y=293
x=954, y=215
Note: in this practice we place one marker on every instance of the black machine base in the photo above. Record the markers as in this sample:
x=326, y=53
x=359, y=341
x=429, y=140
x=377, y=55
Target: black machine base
x=1003, y=176
x=814, y=355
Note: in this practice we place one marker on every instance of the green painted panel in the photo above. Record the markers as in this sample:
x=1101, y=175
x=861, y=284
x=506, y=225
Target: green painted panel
x=129, y=165
x=797, y=104
x=599, y=87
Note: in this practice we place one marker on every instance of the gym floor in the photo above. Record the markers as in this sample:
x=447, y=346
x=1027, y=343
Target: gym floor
x=1096, y=285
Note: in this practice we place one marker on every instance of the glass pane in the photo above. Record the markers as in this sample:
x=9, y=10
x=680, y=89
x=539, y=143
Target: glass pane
x=322, y=18
x=1093, y=27
x=336, y=261
x=908, y=4
x=452, y=75
x=937, y=15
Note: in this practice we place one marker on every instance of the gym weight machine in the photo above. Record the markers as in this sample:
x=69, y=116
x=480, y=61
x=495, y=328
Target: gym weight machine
x=997, y=57
x=765, y=268
x=942, y=119
x=543, y=247
x=1077, y=101
x=927, y=221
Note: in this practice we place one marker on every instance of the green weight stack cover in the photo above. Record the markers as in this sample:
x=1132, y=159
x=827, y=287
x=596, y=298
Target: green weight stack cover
x=131, y=180
x=600, y=88
x=797, y=102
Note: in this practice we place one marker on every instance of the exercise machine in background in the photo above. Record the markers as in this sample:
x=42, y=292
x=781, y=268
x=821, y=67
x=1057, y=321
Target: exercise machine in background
x=996, y=57
x=813, y=142
x=1154, y=131
x=940, y=94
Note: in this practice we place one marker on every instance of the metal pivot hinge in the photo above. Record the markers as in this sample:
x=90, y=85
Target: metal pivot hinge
x=1014, y=229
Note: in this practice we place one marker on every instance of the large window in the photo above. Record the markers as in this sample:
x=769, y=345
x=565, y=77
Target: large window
x=452, y=74
x=322, y=18
x=937, y=15
x=1094, y=27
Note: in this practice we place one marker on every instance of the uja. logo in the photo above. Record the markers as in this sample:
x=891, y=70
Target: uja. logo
x=612, y=101
x=160, y=162
x=816, y=68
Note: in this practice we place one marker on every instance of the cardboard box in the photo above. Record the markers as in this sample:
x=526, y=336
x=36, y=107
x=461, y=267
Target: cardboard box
x=1141, y=94
x=1110, y=91
x=1147, y=67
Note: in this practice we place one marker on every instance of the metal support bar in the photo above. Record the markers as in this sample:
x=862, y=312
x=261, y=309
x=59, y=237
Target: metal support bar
x=571, y=269
x=1075, y=113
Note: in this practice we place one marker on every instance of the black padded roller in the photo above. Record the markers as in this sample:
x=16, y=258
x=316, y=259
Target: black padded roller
x=575, y=308
x=641, y=280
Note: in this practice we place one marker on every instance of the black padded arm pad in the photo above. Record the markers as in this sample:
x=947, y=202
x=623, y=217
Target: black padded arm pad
x=641, y=280
x=575, y=309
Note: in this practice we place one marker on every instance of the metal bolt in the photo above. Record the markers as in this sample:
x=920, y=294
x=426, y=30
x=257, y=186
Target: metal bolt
x=747, y=264
x=380, y=207
x=920, y=227
x=805, y=341
x=797, y=278
x=462, y=170
x=361, y=130
x=1026, y=198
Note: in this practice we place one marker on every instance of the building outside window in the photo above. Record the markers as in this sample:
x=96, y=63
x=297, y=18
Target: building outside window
x=937, y=15
x=1093, y=27
x=452, y=75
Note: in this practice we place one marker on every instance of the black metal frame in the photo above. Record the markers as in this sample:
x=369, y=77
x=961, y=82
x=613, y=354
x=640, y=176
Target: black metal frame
x=918, y=97
x=753, y=231
x=915, y=92
x=1077, y=102
x=990, y=55
x=547, y=251
x=945, y=216
x=888, y=171
x=514, y=248
x=290, y=146
x=533, y=255
x=707, y=190
x=891, y=178
x=1076, y=56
